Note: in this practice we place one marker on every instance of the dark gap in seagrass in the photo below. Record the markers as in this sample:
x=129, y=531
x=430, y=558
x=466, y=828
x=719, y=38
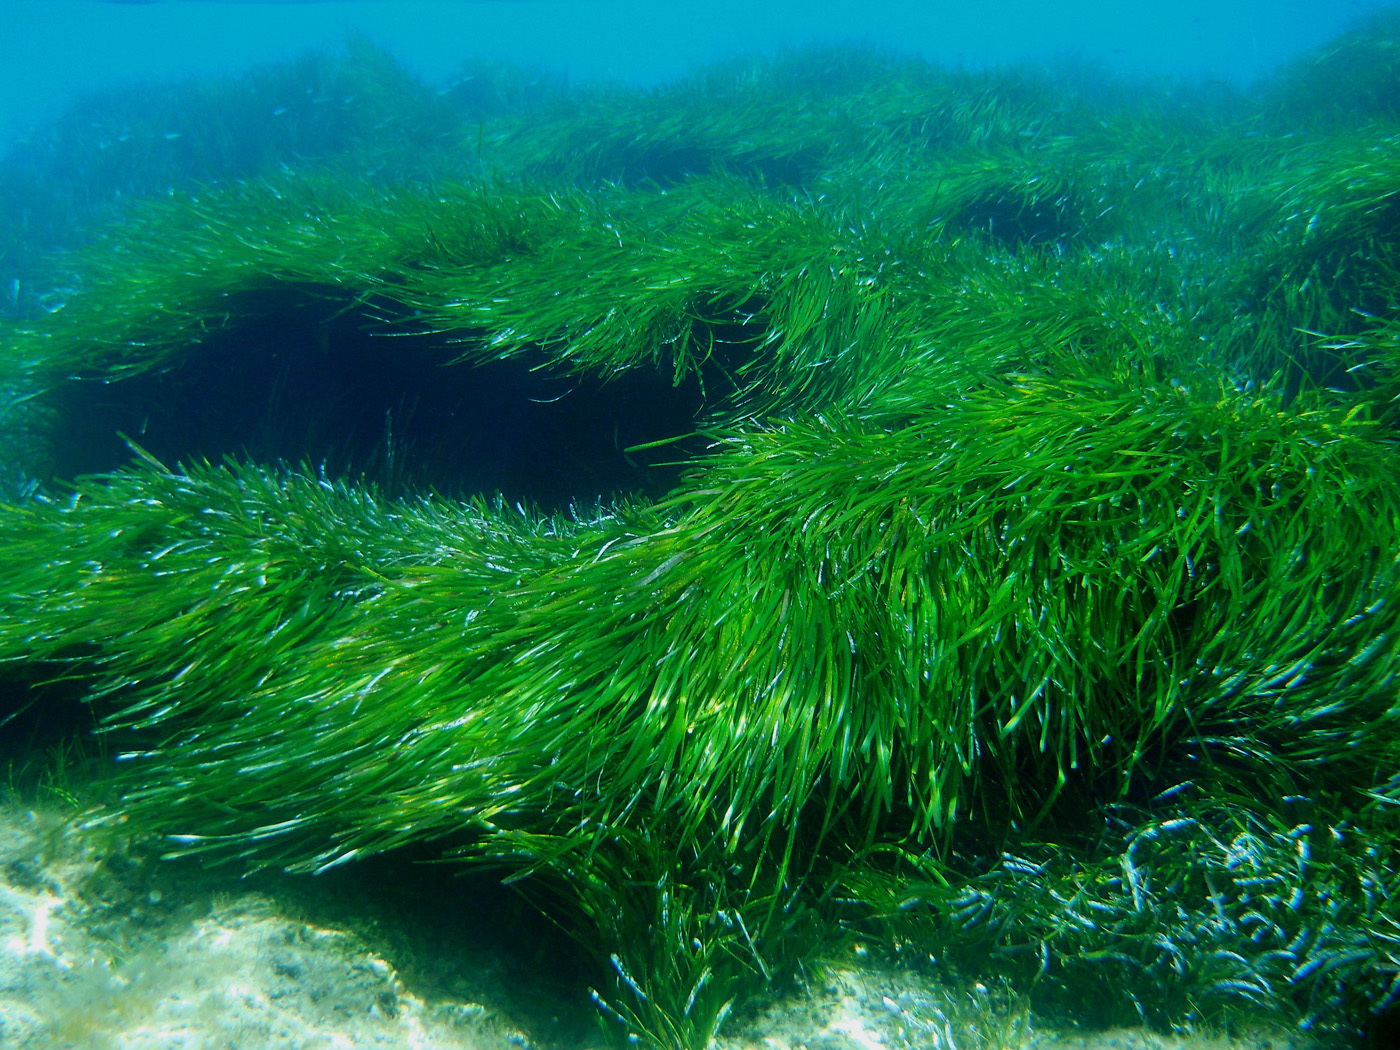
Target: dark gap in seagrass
x=303, y=378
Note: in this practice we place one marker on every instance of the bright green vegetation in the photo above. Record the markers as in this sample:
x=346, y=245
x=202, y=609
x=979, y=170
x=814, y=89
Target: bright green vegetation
x=1004, y=572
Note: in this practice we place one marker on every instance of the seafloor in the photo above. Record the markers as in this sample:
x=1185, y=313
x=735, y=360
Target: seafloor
x=104, y=947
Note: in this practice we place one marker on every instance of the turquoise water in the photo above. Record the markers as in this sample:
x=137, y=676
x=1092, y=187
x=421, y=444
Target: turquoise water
x=52, y=50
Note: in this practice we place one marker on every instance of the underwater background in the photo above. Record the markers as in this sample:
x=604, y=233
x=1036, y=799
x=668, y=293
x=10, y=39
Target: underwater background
x=576, y=524
x=54, y=50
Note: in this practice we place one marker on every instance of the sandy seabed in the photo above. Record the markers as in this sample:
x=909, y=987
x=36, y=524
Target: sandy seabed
x=103, y=946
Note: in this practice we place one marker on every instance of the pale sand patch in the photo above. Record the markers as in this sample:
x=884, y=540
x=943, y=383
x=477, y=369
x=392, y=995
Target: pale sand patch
x=101, y=949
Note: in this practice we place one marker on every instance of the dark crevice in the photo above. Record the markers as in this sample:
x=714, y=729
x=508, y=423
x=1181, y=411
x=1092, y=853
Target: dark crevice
x=1014, y=222
x=311, y=380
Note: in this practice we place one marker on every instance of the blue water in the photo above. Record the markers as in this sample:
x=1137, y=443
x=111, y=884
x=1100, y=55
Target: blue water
x=53, y=50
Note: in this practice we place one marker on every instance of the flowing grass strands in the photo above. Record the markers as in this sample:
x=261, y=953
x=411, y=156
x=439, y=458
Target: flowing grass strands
x=714, y=273
x=1324, y=256
x=1113, y=555
x=317, y=238
x=1199, y=912
x=685, y=934
x=1376, y=353
x=423, y=677
x=1336, y=208
x=307, y=748
x=189, y=570
x=1045, y=587
x=670, y=278
x=1079, y=314
x=720, y=120
x=1347, y=83
x=1008, y=196
x=1029, y=513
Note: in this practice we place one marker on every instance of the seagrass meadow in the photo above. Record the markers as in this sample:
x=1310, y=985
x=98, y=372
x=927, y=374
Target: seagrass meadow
x=828, y=499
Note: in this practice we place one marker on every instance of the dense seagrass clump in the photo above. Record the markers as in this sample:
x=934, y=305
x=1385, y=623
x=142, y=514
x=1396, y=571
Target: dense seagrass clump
x=964, y=515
